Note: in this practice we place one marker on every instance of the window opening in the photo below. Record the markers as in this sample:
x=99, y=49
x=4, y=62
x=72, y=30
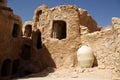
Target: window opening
x=59, y=29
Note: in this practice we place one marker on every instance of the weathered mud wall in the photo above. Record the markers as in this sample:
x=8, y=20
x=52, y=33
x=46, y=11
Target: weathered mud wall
x=10, y=40
x=87, y=23
x=105, y=44
x=60, y=34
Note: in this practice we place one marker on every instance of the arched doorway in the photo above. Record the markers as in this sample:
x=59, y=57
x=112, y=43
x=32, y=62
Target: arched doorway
x=6, y=67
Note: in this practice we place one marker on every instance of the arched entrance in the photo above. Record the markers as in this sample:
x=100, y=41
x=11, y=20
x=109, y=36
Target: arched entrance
x=6, y=66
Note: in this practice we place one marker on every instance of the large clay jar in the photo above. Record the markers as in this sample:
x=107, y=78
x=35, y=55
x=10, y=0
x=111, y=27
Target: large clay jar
x=85, y=56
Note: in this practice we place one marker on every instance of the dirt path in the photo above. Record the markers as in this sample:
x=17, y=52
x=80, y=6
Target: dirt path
x=71, y=73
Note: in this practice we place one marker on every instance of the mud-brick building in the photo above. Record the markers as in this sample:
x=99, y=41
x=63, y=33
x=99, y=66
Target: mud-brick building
x=10, y=40
x=58, y=32
x=55, y=34
x=52, y=39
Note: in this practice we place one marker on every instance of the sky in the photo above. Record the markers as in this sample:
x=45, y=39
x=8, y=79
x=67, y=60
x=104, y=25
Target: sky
x=102, y=11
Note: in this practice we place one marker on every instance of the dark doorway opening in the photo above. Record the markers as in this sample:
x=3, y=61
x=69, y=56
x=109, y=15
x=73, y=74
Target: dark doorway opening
x=39, y=42
x=26, y=52
x=59, y=29
x=15, y=30
x=15, y=66
x=5, y=70
x=28, y=30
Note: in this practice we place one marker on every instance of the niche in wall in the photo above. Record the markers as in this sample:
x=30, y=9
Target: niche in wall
x=59, y=29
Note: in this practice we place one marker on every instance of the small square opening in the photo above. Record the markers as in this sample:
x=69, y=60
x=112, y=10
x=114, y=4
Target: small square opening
x=59, y=29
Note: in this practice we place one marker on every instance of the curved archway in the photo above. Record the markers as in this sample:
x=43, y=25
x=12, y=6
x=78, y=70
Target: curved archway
x=6, y=67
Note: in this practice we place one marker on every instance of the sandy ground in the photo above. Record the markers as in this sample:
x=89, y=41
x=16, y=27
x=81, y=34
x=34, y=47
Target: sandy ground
x=71, y=73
